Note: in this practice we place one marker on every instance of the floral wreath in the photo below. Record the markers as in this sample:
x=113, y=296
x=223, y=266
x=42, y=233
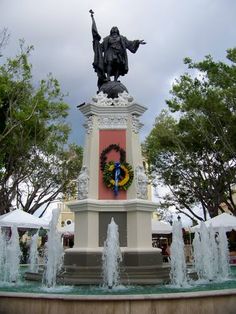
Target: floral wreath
x=126, y=174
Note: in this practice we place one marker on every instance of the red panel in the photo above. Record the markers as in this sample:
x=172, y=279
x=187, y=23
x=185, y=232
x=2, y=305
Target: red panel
x=106, y=138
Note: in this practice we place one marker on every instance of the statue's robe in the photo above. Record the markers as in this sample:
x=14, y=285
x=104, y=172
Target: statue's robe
x=125, y=44
x=104, y=53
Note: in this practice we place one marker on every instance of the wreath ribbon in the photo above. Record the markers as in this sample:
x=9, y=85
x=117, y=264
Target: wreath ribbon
x=117, y=177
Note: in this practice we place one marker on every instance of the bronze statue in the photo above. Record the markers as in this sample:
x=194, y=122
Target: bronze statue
x=110, y=56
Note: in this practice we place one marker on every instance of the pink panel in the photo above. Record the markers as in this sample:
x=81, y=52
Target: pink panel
x=106, y=138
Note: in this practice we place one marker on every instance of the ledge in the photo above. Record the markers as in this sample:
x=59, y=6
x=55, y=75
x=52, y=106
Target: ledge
x=94, y=109
x=112, y=205
x=110, y=297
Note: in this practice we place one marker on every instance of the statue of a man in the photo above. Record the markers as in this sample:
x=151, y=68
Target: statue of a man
x=110, y=56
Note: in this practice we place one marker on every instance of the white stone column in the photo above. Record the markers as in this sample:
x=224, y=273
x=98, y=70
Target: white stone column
x=133, y=153
x=112, y=114
x=91, y=155
x=86, y=231
x=139, y=229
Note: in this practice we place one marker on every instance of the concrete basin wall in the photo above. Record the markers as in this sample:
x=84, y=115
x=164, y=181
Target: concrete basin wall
x=209, y=302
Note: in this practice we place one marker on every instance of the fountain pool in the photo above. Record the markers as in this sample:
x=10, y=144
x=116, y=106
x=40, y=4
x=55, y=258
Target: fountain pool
x=37, y=287
x=31, y=297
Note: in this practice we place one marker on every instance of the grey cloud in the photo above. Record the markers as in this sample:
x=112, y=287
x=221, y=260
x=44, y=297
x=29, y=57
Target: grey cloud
x=60, y=30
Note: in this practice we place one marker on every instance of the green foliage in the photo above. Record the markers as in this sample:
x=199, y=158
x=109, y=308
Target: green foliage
x=195, y=155
x=33, y=137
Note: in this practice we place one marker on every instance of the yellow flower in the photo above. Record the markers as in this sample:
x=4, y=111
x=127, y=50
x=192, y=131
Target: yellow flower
x=126, y=177
x=111, y=168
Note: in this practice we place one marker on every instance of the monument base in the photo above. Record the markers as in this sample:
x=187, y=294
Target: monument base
x=138, y=266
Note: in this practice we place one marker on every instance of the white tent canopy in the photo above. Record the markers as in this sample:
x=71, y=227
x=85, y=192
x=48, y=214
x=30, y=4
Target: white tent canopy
x=21, y=219
x=160, y=227
x=227, y=221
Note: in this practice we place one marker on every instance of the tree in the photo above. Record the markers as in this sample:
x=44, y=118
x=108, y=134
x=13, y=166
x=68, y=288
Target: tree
x=50, y=177
x=33, y=138
x=195, y=155
x=4, y=37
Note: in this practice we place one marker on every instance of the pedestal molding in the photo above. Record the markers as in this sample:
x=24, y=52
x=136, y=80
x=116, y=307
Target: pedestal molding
x=94, y=109
x=112, y=205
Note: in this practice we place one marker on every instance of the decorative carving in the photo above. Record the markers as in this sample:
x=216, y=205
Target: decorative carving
x=89, y=124
x=136, y=124
x=113, y=121
x=83, y=183
x=141, y=182
x=101, y=99
x=122, y=100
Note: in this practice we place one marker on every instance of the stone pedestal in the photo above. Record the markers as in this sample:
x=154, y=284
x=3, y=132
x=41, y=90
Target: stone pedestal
x=112, y=121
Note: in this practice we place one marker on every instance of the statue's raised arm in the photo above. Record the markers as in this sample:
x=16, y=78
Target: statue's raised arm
x=110, y=56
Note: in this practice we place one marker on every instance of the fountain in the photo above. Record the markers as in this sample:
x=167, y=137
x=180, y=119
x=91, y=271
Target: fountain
x=111, y=256
x=160, y=298
x=113, y=183
x=197, y=255
x=54, y=252
x=178, y=273
x=53, y=256
x=206, y=253
x=33, y=255
x=223, y=257
x=214, y=254
x=203, y=254
x=13, y=255
x=211, y=254
x=3, y=249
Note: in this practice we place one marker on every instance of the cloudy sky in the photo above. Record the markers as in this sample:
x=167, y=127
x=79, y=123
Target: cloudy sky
x=60, y=31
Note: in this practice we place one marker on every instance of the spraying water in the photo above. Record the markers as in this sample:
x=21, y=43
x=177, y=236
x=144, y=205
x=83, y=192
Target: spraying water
x=206, y=253
x=223, y=258
x=211, y=254
x=13, y=255
x=111, y=256
x=178, y=271
x=34, y=256
x=54, y=252
x=197, y=255
x=3, y=250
